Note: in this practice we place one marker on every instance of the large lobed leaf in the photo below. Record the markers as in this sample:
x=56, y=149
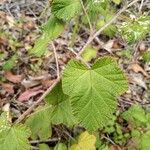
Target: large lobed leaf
x=93, y=91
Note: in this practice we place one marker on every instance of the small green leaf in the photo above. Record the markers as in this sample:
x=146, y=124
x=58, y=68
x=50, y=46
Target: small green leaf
x=40, y=123
x=61, y=107
x=65, y=9
x=51, y=30
x=89, y=53
x=60, y=146
x=135, y=114
x=43, y=147
x=10, y=63
x=86, y=141
x=145, y=141
x=93, y=91
x=40, y=46
x=117, y=1
x=146, y=56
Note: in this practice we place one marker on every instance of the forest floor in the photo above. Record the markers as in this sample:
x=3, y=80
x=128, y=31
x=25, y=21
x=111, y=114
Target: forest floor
x=22, y=86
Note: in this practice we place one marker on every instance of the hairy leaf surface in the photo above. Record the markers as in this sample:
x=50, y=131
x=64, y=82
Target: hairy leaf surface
x=65, y=9
x=93, y=91
x=51, y=30
x=40, y=123
x=61, y=107
x=13, y=137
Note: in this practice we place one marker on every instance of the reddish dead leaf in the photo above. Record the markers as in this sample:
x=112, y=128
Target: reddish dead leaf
x=114, y=147
x=25, y=96
x=3, y=41
x=142, y=46
x=13, y=78
x=9, y=88
x=47, y=83
x=137, y=68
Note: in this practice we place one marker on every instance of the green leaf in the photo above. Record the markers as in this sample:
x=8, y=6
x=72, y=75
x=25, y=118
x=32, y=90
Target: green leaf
x=65, y=9
x=136, y=29
x=135, y=114
x=86, y=141
x=40, y=46
x=145, y=141
x=10, y=63
x=51, y=30
x=117, y=1
x=146, y=56
x=43, y=147
x=40, y=123
x=89, y=53
x=93, y=91
x=13, y=137
x=60, y=146
x=61, y=107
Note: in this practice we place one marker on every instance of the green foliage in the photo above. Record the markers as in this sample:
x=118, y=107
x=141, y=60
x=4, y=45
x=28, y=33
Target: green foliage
x=135, y=29
x=61, y=107
x=117, y=1
x=43, y=147
x=146, y=56
x=89, y=53
x=65, y=9
x=60, y=146
x=51, y=30
x=139, y=120
x=93, y=103
x=13, y=137
x=85, y=141
x=10, y=63
x=135, y=115
x=40, y=123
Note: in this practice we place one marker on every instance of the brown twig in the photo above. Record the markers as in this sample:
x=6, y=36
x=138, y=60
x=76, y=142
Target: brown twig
x=56, y=58
x=29, y=110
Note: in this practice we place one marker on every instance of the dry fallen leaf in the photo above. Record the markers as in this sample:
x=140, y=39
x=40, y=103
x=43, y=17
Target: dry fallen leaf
x=137, y=68
x=25, y=96
x=109, y=45
x=9, y=88
x=13, y=78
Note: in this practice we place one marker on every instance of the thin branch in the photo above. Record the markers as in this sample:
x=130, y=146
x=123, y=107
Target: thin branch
x=44, y=141
x=141, y=5
x=56, y=58
x=29, y=110
x=91, y=38
x=87, y=16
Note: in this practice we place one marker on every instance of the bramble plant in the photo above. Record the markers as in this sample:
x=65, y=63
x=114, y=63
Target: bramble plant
x=86, y=94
